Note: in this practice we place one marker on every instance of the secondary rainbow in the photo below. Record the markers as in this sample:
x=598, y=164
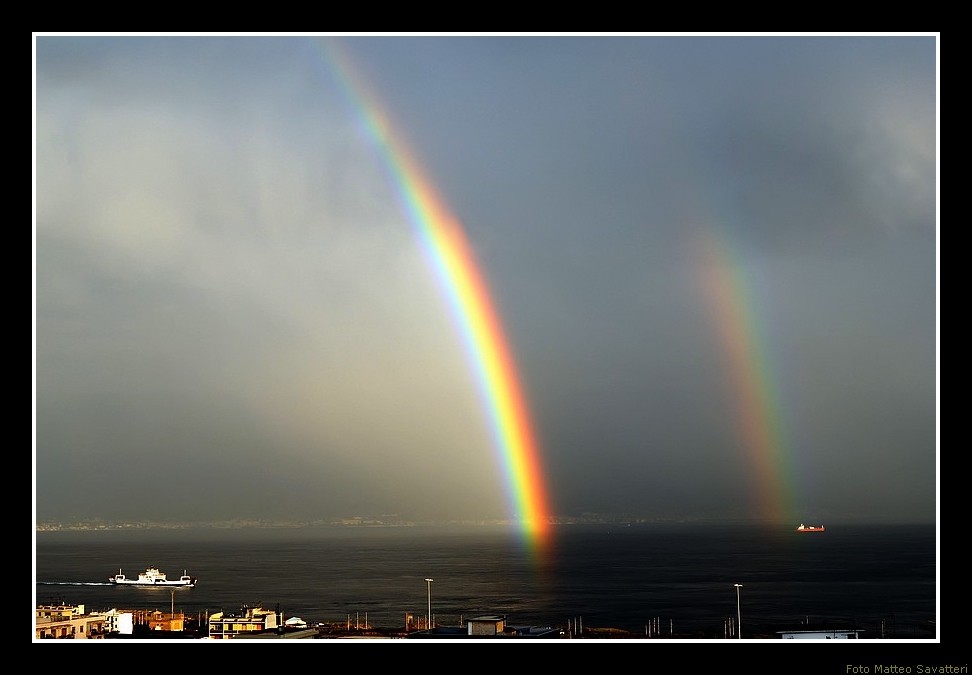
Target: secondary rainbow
x=446, y=246
x=759, y=419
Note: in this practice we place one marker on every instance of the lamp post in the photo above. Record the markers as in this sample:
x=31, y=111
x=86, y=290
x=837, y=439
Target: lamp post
x=738, y=613
x=428, y=617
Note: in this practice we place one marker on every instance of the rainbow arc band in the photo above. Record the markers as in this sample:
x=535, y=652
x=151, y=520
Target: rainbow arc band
x=446, y=247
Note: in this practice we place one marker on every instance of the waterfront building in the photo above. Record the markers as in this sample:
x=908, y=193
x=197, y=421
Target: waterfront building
x=820, y=631
x=487, y=626
x=154, y=620
x=67, y=622
x=248, y=621
x=120, y=622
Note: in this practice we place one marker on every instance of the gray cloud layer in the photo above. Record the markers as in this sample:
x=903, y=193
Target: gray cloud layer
x=234, y=318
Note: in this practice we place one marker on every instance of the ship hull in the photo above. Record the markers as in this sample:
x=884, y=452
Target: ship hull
x=152, y=577
x=135, y=582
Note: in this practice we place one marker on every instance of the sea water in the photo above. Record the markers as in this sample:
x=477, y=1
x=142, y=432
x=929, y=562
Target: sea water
x=650, y=580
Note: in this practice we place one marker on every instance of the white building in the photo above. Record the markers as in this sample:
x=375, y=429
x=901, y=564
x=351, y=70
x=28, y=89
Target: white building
x=825, y=631
x=119, y=622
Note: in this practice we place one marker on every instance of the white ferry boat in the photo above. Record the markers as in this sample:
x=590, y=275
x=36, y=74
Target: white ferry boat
x=153, y=577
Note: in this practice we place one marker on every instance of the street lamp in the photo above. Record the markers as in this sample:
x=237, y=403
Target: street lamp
x=738, y=613
x=428, y=617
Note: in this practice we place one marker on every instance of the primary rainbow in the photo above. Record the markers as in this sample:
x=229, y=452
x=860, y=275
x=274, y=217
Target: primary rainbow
x=445, y=244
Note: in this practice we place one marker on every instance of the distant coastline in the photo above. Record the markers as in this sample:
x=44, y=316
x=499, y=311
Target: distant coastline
x=615, y=520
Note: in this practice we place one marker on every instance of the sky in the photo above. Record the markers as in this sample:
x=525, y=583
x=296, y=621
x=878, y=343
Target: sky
x=709, y=265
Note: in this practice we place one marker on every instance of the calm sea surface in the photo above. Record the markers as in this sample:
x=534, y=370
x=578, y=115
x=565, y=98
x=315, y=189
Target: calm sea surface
x=679, y=579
